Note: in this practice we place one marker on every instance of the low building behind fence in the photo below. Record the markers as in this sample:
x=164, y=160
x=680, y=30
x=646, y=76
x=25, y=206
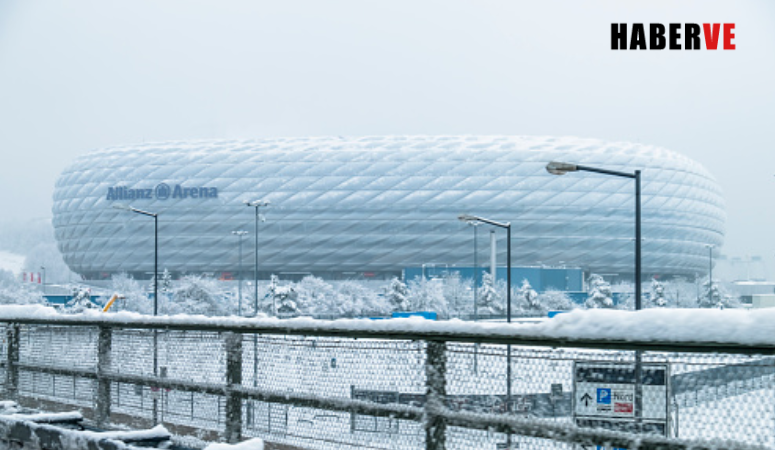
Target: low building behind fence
x=345, y=384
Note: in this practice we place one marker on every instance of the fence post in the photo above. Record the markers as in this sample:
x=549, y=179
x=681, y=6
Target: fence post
x=435, y=395
x=11, y=363
x=104, y=346
x=233, y=426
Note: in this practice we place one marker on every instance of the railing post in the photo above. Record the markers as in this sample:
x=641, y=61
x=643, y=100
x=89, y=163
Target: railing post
x=11, y=363
x=435, y=395
x=233, y=426
x=104, y=346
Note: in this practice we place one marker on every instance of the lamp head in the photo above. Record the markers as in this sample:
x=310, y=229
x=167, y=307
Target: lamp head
x=255, y=203
x=468, y=218
x=560, y=168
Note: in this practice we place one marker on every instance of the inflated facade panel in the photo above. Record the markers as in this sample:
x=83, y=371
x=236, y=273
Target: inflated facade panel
x=379, y=204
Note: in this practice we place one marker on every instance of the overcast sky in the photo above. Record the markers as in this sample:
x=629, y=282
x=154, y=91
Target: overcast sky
x=80, y=74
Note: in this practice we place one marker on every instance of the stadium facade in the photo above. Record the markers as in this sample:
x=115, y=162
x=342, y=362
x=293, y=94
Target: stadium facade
x=371, y=206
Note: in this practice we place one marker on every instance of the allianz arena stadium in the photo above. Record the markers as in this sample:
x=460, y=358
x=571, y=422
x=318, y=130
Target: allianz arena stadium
x=372, y=206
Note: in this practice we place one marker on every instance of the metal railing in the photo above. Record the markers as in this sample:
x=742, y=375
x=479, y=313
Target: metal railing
x=379, y=384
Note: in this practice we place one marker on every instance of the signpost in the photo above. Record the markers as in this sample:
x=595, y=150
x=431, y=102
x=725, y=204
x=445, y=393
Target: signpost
x=604, y=397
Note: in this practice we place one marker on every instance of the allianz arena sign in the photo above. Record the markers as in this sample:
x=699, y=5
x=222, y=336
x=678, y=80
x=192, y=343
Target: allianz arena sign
x=162, y=191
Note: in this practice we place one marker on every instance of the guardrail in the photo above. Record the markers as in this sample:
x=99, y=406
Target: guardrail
x=312, y=384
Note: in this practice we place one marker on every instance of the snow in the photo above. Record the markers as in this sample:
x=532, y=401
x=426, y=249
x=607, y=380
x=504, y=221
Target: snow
x=729, y=326
x=252, y=444
x=48, y=417
x=157, y=433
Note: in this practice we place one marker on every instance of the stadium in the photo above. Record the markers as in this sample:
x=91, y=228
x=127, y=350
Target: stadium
x=372, y=206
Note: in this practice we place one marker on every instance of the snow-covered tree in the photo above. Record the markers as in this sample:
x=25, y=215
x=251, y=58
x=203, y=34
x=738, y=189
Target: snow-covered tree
x=599, y=293
x=491, y=301
x=196, y=294
x=14, y=292
x=80, y=301
x=458, y=295
x=529, y=296
x=712, y=297
x=165, y=282
x=396, y=295
x=658, y=294
x=283, y=298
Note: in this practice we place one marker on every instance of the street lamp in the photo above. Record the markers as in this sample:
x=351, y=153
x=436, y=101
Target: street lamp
x=561, y=168
x=256, y=204
x=155, y=295
x=239, y=234
x=155, y=251
x=507, y=225
x=710, y=274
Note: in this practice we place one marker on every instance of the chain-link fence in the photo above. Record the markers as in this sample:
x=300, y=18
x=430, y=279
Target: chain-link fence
x=334, y=387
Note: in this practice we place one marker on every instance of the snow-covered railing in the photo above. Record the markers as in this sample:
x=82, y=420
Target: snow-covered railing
x=729, y=332
x=61, y=431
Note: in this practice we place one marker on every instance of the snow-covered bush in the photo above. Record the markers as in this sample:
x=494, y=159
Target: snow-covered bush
x=427, y=295
x=553, y=300
x=132, y=296
x=364, y=301
x=314, y=295
x=599, y=293
x=195, y=294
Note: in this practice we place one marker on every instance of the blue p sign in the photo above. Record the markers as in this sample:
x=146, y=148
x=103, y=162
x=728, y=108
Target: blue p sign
x=604, y=396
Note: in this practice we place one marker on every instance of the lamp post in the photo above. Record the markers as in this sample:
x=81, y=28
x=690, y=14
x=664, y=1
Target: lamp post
x=507, y=225
x=239, y=234
x=710, y=274
x=155, y=295
x=475, y=225
x=155, y=251
x=256, y=204
x=43, y=268
x=561, y=168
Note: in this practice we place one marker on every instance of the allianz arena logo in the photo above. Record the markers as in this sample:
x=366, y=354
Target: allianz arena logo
x=162, y=191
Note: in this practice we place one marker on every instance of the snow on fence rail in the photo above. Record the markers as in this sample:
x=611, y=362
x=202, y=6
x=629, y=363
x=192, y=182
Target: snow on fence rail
x=406, y=383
